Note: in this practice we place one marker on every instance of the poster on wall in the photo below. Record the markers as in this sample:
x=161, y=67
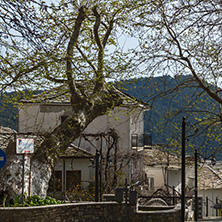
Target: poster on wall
x=24, y=146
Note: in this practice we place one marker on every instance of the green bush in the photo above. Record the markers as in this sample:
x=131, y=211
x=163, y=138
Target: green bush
x=38, y=201
x=30, y=201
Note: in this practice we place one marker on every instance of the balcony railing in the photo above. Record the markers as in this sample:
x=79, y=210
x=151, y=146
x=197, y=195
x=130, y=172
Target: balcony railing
x=141, y=140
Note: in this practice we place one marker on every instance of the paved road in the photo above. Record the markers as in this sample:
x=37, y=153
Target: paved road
x=211, y=219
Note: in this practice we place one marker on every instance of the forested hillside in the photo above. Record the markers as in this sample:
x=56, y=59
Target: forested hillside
x=8, y=112
x=169, y=104
x=168, y=108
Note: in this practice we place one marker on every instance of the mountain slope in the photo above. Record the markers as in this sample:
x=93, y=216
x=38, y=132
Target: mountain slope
x=169, y=104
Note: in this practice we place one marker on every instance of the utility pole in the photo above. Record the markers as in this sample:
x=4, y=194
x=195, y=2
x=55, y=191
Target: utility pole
x=196, y=190
x=97, y=177
x=183, y=170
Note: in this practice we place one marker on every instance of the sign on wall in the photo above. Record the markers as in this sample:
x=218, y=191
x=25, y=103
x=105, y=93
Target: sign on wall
x=2, y=158
x=24, y=146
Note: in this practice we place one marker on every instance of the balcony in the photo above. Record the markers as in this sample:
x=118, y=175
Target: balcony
x=141, y=141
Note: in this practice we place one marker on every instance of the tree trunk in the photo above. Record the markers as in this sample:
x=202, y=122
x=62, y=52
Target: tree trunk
x=55, y=143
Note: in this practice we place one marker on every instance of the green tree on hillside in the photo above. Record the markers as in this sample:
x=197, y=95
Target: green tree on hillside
x=184, y=38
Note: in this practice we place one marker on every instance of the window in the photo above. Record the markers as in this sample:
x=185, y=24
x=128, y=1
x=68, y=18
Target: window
x=55, y=183
x=137, y=140
x=73, y=179
x=147, y=139
x=150, y=182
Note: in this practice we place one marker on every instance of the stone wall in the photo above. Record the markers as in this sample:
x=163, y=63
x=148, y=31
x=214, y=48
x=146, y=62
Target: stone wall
x=86, y=212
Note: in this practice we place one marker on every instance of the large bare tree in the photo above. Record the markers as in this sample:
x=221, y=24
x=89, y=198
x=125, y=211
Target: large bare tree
x=46, y=45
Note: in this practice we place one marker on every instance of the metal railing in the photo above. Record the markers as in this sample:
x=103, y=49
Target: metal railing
x=141, y=140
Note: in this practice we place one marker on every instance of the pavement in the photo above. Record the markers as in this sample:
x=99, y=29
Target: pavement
x=210, y=219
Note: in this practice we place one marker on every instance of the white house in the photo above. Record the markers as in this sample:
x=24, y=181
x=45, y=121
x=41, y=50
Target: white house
x=71, y=172
x=210, y=186
x=163, y=170
x=110, y=134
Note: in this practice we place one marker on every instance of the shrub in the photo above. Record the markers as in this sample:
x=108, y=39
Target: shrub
x=34, y=200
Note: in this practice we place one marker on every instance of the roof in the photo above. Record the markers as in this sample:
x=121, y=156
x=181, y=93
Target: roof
x=209, y=177
x=76, y=152
x=60, y=95
x=160, y=156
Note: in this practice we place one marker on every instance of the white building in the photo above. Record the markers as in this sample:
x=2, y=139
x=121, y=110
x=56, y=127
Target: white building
x=111, y=134
x=163, y=170
x=210, y=187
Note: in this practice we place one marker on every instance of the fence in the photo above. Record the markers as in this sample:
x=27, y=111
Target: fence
x=208, y=205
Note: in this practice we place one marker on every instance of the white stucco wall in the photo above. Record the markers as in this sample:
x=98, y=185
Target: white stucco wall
x=124, y=120
x=32, y=119
x=157, y=174
x=137, y=121
x=174, y=178
x=212, y=195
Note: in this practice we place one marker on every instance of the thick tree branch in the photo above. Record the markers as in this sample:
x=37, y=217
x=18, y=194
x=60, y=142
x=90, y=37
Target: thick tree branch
x=201, y=84
x=72, y=42
x=101, y=45
x=108, y=32
x=20, y=74
x=96, y=28
x=50, y=78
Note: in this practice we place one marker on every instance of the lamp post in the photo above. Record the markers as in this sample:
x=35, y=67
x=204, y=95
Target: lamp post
x=183, y=170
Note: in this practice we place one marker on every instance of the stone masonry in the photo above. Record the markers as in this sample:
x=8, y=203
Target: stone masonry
x=86, y=212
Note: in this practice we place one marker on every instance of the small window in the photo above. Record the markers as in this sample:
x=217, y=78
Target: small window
x=150, y=182
x=147, y=139
x=73, y=180
x=140, y=140
x=137, y=140
x=134, y=138
x=55, y=183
